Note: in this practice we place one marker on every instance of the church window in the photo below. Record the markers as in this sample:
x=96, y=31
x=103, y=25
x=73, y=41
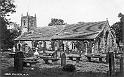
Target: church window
x=24, y=22
x=106, y=35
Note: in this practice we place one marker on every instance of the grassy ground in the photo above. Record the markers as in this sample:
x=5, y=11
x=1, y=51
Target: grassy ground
x=83, y=69
x=49, y=72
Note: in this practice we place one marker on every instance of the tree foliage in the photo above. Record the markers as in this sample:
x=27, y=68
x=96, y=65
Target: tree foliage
x=117, y=27
x=6, y=7
x=6, y=36
x=55, y=21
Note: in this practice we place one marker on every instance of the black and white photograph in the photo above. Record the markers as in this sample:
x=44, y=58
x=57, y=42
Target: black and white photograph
x=61, y=38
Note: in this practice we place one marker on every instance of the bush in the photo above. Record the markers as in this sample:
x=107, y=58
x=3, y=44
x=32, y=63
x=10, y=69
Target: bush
x=69, y=68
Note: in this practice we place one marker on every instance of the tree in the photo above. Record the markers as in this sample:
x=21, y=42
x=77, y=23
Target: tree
x=117, y=27
x=14, y=33
x=6, y=8
x=55, y=21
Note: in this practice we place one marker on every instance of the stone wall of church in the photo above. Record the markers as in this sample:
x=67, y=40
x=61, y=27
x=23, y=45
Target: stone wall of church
x=104, y=45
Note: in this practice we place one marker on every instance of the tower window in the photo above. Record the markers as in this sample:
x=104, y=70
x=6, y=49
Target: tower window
x=24, y=22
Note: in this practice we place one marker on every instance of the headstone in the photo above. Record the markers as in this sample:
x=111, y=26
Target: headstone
x=18, y=61
x=14, y=49
x=63, y=59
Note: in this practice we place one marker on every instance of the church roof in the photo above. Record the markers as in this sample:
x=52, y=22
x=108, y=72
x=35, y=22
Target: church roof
x=40, y=33
x=81, y=30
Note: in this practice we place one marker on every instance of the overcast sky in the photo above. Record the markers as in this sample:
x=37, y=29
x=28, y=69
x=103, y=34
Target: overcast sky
x=71, y=11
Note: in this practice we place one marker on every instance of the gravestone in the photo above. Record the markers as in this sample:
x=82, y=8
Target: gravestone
x=18, y=61
x=63, y=57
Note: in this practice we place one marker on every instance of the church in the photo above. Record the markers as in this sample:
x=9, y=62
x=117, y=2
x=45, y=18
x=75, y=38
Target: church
x=95, y=37
x=36, y=36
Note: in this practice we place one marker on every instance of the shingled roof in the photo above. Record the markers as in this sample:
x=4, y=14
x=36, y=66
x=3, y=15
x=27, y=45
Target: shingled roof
x=82, y=30
x=40, y=33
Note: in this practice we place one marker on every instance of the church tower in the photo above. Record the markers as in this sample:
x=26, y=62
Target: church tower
x=28, y=23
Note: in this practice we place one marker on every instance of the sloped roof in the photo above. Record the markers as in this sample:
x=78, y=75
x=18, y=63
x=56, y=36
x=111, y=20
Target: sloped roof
x=76, y=36
x=40, y=33
x=82, y=30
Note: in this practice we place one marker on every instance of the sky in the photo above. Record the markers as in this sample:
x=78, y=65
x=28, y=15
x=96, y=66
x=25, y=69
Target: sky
x=71, y=11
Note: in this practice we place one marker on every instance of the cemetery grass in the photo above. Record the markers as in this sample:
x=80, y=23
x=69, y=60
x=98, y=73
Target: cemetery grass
x=44, y=70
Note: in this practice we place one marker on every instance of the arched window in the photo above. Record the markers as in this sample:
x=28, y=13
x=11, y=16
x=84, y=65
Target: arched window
x=106, y=35
x=24, y=22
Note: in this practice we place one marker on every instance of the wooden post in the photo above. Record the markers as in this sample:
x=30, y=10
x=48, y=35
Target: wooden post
x=63, y=57
x=121, y=64
x=18, y=61
x=111, y=63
